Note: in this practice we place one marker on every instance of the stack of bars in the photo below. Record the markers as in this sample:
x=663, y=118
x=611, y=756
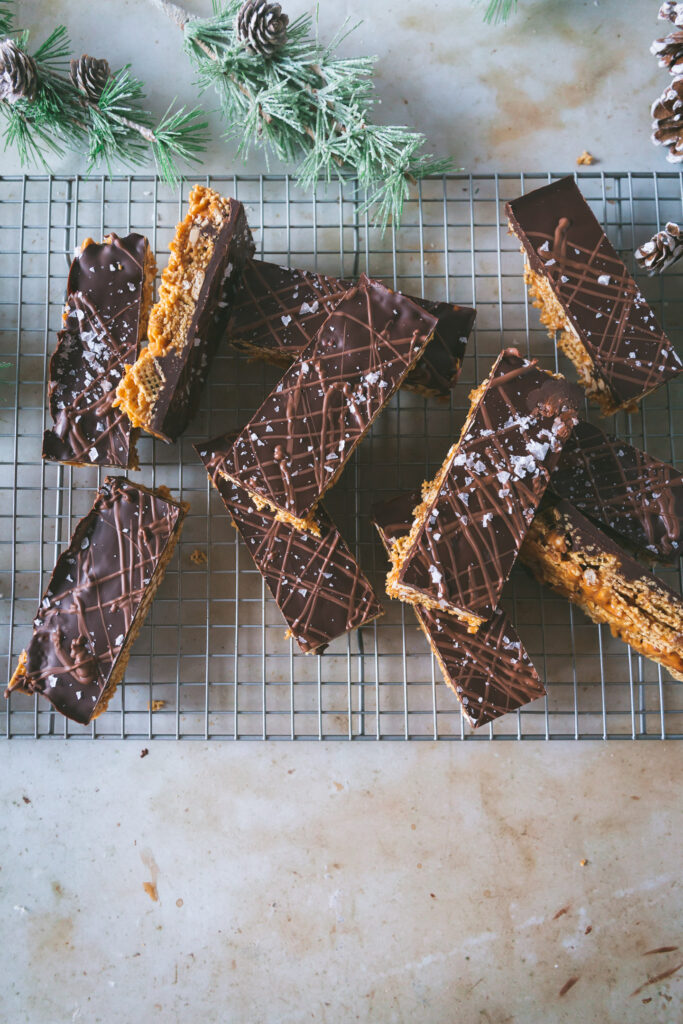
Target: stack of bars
x=527, y=477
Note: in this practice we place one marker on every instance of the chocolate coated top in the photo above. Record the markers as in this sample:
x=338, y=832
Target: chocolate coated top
x=624, y=488
x=94, y=594
x=185, y=365
x=494, y=480
x=583, y=535
x=316, y=582
x=489, y=671
x=299, y=440
x=278, y=311
x=100, y=335
x=566, y=245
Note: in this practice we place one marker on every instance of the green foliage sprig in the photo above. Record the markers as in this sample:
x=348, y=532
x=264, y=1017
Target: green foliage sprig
x=305, y=104
x=499, y=10
x=6, y=17
x=113, y=126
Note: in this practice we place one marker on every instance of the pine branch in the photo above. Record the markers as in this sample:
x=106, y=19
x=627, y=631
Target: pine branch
x=302, y=103
x=58, y=113
x=6, y=17
x=500, y=10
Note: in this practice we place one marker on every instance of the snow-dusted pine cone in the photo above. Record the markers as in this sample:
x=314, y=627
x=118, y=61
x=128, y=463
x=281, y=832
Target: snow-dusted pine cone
x=663, y=249
x=667, y=124
x=90, y=75
x=18, y=73
x=261, y=26
x=672, y=11
x=669, y=52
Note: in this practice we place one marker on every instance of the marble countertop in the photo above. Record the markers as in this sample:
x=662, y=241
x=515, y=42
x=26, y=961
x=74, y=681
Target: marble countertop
x=482, y=884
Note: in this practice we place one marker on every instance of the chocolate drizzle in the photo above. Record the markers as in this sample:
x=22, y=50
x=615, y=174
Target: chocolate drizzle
x=95, y=593
x=467, y=534
x=315, y=581
x=566, y=245
x=100, y=335
x=634, y=494
x=298, y=442
x=277, y=312
x=489, y=671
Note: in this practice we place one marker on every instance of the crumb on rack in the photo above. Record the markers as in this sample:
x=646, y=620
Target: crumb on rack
x=156, y=705
x=586, y=159
x=199, y=557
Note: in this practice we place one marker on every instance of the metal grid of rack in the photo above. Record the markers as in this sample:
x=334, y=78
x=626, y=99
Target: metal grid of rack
x=212, y=660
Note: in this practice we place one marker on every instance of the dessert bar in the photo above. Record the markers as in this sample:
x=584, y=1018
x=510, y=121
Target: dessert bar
x=467, y=531
x=585, y=293
x=573, y=556
x=161, y=390
x=489, y=671
x=315, y=581
x=98, y=597
x=109, y=293
x=302, y=436
x=278, y=311
x=624, y=488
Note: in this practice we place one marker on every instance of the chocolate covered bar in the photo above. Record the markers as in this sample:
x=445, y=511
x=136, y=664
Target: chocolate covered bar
x=624, y=488
x=277, y=312
x=489, y=671
x=161, y=390
x=302, y=436
x=585, y=293
x=467, y=531
x=573, y=556
x=315, y=581
x=97, y=599
x=109, y=293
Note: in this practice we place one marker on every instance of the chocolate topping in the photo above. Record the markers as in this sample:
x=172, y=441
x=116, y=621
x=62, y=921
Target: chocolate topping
x=100, y=335
x=298, y=442
x=95, y=593
x=277, y=312
x=566, y=245
x=624, y=488
x=467, y=534
x=185, y=365
x=582, y=535
x=489, y=671
x=315, y=581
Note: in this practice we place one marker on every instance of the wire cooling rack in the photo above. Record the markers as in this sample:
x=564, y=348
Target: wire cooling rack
x=212, y=660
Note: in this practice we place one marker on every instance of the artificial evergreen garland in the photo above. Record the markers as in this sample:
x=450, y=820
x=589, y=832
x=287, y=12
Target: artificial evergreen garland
x=280, y=88
x=49, y=103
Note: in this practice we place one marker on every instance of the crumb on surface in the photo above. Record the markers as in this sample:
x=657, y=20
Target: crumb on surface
x=151, y=890
x=144, y=752
x=583, y=862
x=199, y=557
x=586, y=159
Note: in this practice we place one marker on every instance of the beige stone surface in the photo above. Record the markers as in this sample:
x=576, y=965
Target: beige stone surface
x=341, y=882
x=563, y=76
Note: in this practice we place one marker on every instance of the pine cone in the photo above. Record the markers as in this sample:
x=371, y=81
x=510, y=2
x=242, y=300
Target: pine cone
x=669, y=52
x=262, y=27
x=663, y=249
x=667, y=127
x=18, y=73
x=671, y=11
x=90, y=75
